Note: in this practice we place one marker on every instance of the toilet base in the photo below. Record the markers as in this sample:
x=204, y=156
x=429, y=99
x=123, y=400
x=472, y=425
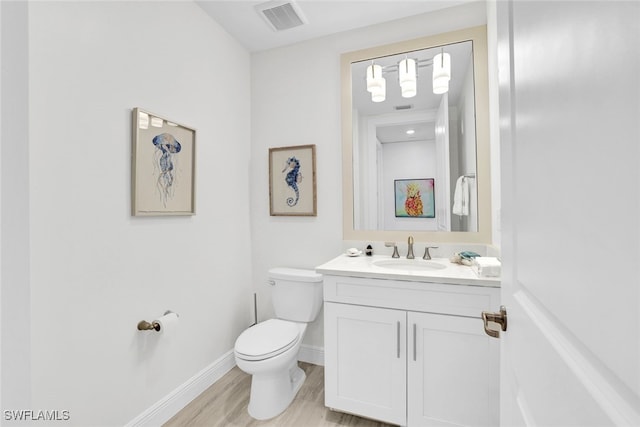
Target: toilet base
x=272, y=393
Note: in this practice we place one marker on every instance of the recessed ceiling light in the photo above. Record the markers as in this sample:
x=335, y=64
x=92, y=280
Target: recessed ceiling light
x=410, y=132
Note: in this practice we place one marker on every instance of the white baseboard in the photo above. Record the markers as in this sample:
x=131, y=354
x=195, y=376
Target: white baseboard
x=171, y=404
x=311, y=354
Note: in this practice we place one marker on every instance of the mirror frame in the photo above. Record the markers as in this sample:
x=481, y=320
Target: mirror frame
x=483, y=174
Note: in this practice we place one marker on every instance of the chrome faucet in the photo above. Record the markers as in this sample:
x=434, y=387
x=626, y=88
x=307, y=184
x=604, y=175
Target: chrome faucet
x=410, y=251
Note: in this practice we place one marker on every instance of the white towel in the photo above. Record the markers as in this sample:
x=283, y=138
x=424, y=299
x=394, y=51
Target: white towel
x=487, y=266
x=461, y=197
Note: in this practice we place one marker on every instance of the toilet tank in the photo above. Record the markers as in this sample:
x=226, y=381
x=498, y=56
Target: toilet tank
x=297, y=293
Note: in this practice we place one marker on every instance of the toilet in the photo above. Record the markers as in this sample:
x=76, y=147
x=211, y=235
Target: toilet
x=269, y=350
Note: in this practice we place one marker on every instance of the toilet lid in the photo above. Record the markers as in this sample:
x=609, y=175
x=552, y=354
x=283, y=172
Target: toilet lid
x=266, y=339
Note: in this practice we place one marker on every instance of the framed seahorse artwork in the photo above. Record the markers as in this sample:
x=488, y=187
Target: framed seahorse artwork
x=292, y=181
x=163, y=166
x=414, y=198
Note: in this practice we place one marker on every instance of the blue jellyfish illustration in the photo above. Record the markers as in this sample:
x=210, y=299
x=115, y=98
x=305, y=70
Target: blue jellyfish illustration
x=293, y=178
x=166, y=148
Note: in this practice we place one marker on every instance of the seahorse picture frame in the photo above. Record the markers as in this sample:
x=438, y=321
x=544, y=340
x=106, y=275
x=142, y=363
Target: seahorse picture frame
x=292, y=181
x=162, y=166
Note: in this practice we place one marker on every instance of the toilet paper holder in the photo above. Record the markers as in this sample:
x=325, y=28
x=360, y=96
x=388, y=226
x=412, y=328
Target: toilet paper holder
x=143, y=325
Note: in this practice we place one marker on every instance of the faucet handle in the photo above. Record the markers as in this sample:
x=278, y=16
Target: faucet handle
x=427, y=254
x=395, y=249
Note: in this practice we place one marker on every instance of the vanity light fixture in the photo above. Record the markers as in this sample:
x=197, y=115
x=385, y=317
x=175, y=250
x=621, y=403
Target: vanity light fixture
x=441, y=73
x=408, y=77
x=376, y=84
x=380, y=94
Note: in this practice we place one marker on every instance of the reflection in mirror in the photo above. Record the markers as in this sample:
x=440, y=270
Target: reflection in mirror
x=424, y=135
x=416, y=144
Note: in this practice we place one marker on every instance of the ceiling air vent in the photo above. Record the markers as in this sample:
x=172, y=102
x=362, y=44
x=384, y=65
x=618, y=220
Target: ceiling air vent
x=281, y=15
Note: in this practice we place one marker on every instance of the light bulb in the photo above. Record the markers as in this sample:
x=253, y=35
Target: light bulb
x=374, y=77
x=409, y=89
x=379, y=94
x=441, y=73
x=407, y=77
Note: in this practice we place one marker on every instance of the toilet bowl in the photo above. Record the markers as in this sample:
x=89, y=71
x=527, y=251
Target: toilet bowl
x=268, y=351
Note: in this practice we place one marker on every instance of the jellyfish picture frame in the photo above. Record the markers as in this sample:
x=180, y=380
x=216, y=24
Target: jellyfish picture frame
x=162, y=166
x=292, y=181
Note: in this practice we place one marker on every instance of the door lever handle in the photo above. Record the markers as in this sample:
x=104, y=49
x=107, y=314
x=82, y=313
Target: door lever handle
x=499, y=318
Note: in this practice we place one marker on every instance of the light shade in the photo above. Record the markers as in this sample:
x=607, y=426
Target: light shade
x=441, y=73
x=374, y=77
x=379, y=93
x=407, y=77
x=376, y=84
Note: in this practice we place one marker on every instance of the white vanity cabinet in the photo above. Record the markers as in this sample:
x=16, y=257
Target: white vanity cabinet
x=365, y=361
x=410, y=353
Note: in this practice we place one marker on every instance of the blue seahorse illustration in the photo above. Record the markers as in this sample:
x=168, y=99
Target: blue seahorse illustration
x=166, y=146
x=293, y=178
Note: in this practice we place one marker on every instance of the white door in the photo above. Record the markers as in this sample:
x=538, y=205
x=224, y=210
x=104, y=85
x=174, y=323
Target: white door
x=570, y=146
x=442, y=184
x=366, y=365
x=452, y=374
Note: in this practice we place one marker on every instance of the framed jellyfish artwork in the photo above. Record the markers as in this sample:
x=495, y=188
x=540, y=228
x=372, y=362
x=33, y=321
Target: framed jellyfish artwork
x=163, y=166
x=292, y=181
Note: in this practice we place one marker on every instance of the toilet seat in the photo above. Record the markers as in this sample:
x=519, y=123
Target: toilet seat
x=267, y=339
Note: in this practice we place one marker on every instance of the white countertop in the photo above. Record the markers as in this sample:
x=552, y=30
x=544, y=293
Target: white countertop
x=363, y=266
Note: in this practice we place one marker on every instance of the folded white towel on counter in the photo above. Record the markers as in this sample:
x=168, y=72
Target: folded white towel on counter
x=487, y=266
x=461, y=197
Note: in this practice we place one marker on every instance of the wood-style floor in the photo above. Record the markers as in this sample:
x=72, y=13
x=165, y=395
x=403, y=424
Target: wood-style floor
x=225, y=404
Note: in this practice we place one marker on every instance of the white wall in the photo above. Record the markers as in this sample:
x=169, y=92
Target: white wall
x=295, y=99
x=15, y=383
x=467, y=139
x=494, y=121
x=95, y=270
x=395, y=166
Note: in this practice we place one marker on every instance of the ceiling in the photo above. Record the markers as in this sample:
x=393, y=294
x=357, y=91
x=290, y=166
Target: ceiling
x=243, y=21
x=323, y=17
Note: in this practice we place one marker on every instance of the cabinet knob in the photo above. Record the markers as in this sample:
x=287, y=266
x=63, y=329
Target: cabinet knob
x=499, y=318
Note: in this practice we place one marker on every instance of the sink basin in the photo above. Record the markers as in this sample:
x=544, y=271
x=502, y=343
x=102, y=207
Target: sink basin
x=409, y=264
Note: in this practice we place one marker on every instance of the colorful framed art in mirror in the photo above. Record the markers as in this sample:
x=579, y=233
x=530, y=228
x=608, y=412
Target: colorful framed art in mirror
x=414, y=198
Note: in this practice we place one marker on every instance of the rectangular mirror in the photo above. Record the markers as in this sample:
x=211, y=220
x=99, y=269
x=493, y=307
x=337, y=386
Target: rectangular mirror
x=417, y=111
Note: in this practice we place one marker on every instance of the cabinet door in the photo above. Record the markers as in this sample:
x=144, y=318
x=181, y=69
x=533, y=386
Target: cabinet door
x=365, y=361
x=453, y=372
